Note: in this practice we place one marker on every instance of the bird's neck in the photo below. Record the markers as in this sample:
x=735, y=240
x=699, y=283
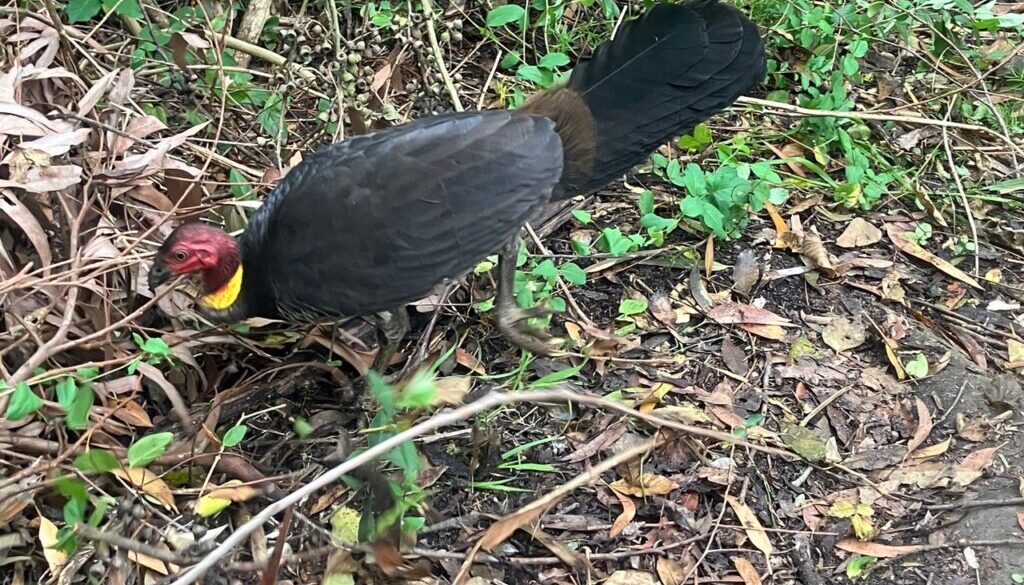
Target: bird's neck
x=222, y=283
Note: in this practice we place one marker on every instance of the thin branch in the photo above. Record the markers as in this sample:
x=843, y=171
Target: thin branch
x=428, y=13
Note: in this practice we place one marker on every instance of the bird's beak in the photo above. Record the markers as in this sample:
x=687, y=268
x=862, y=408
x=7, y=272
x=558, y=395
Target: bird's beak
x=158, y=274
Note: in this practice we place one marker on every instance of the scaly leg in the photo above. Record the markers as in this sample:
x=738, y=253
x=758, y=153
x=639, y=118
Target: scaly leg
x=391, y=329
x=511, y=318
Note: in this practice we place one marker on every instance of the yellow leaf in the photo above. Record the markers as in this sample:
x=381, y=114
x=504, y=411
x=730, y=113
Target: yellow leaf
x=862, y=527
x=649, y=484
x=755, y=532
x=149, y=483
x=995, y=275
x=1015, y=350
x=345, y=525
x=48, y=538
x=209, y=505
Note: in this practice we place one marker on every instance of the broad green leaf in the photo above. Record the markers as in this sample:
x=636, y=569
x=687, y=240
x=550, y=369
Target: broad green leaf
x=148, y=448
x=301, y=427
x=572, y=273
x=917, y=367
x=96, y=460
x=23, y=403
x=234, y=436
x=582, y=216
x=67, y=388
x=506, y=14
x=629, y=307
x=78, y=412
x=554, y=60
x=82, y=10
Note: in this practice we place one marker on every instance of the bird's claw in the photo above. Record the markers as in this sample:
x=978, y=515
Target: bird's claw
x=512, y=324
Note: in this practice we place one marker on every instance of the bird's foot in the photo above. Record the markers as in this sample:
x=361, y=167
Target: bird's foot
x=512, y=324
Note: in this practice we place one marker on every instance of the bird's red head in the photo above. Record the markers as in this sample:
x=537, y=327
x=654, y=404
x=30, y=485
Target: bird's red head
x=196, y=248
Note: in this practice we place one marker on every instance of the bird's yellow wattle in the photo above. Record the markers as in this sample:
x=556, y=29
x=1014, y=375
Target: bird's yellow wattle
x=226, y=295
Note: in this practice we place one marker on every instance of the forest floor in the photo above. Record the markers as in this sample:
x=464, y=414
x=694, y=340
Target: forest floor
x=793, y=336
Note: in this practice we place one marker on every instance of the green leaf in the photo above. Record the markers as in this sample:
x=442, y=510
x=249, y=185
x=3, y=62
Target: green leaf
x=646, y=202
x=78, y=411
x=546, y=270
x=509, y=60
x=23, y=403
x=82, y=10
x=573, y=273
x=860, y=566
x=506, y=14
x=383, y=393
x=1017, y=577
x=629, y=307
x=301, y=427
x=582, y=216
x=917, y=367
x=71, y=488
x=129, y=8
x=555, y=377
x=153, y=346
x=554, y=60
x=234, y=436
x=74, y=511
x=148, y=448
x=96, y=460
x=541, y=77
x=67, y=388
x=420, y=392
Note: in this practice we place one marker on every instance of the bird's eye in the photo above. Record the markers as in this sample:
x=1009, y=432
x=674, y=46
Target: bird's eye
x=181, y=255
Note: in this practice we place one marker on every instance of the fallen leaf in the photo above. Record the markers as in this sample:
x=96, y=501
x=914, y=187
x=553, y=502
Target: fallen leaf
x=630, y=578
x=734, y=357
x=755, y=532
x=149, y=483
x=932, y=450
x=747, y=571
x=648, y=484
x=979, y=459
x=153, y=564
x=602, y=441
x=670, y=571
x=745, y=273
x=842, y=334
x=729, y=313
x=924, y=427
x=773, y=332
x=48, y=538
x=804, y=441
x=859, y=233
x=898, y=234
x=451, y=390
x=780, y=225
x=627, y=515
x=28, y=223
x=235, y=491
x=875, y=549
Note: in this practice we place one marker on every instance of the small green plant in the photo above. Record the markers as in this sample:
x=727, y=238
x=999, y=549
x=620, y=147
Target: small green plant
x=921, y=234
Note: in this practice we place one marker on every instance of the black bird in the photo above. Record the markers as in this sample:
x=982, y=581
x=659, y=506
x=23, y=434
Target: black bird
x=367, y=225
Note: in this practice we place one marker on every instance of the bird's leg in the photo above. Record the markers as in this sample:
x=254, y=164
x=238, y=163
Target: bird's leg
x=511, y=318
x=391, y=329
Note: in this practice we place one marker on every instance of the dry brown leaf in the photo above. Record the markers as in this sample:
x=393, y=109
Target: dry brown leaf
x=236, y=491
x=44, y=179
x=13, y=505
x=501, y=530
x=452, y=390
x=734, y=357
x=898, y=234
x=648, y=484
x=602, y=441
x=670, y=571
x=20, y=214
x=755, y=532
x=149, y=483
x=780, y=225
x=745, y=272
x=92, y=97
x=56, y=144
x=709, y=257
x=980, y=459
x=747, y=571
x=859, y=233
x=466, y=360
x=627, y=515
x=773, y=332
x=153, y=564
x=630, y=578
x=48, y=538
x=932, y=450
x=875, y=549
x=924, y=427
x=139, y=128
x=842, y=334
x=729, y=313
x=133, y=413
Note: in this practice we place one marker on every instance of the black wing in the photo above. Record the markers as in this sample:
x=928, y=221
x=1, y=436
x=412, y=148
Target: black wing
x=379, y=220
